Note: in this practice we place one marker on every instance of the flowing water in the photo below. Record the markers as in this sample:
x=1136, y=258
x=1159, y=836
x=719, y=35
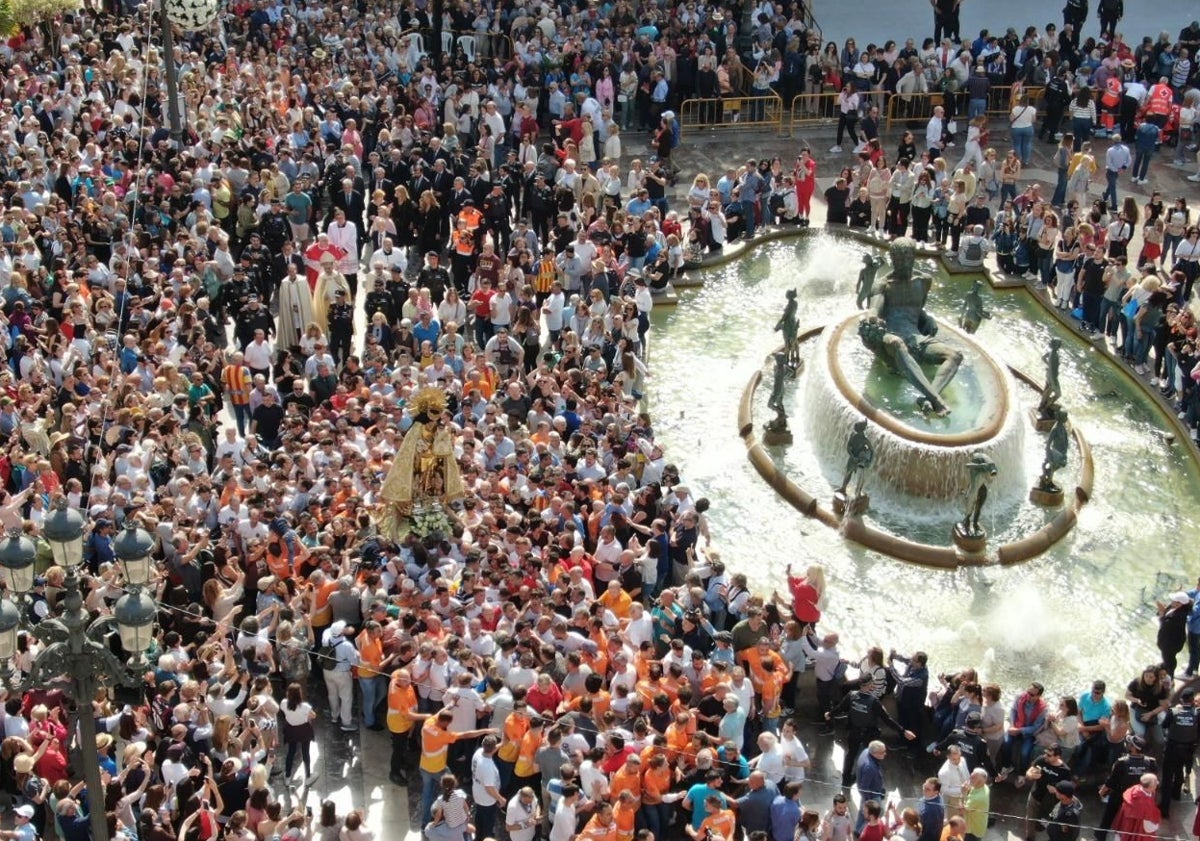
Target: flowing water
x=1082, y=610
x=908, y=477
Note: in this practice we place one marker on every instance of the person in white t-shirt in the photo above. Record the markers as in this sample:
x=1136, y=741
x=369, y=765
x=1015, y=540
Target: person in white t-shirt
x=485, y=787
x=771, y=760
x=522, y=816
x=298, y=735
x=795, y=757
x=563, y=826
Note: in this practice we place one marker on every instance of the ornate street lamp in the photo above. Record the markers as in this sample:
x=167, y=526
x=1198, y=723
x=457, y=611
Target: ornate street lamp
x=63, y=530
x=17, y=554
x=76, y=647
x=135, y=613
x=132, y=548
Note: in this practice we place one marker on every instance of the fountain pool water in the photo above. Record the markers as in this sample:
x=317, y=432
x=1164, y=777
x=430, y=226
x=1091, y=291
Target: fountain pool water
x=1082, y=610
x=916, y=455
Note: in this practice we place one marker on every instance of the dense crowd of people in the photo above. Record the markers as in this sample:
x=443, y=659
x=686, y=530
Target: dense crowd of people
x=222, y=336
x=1123, y=268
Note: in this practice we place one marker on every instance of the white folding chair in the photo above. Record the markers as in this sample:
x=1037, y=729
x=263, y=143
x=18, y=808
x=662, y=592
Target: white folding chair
x=467, y=42
x=447, y=42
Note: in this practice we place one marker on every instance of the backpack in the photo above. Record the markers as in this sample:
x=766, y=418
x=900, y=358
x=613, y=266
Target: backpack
x=327, y=654
x=974, y=250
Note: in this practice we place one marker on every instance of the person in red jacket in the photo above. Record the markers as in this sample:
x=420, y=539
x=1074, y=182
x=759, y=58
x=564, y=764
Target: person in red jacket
x=807, y=594
x=1139, y=816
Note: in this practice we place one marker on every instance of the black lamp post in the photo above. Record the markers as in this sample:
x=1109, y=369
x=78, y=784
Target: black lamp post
x=76, y=649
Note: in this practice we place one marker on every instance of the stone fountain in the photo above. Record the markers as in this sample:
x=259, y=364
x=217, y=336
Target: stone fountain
x=923, y=408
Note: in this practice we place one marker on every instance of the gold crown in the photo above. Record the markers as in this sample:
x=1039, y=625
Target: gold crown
x=429, y=401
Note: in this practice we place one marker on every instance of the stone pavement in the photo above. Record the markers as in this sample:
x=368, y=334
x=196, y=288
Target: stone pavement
x=873, y=21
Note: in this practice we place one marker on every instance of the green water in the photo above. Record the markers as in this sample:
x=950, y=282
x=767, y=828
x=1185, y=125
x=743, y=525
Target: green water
x=970, y=403
x=1083, y=610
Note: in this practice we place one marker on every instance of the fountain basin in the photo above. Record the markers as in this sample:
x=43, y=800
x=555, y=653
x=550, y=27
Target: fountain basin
x=916, y=454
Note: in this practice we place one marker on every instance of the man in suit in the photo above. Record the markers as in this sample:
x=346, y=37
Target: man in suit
x=442, y=179
x=350, y=201
x=380, y=181
x=288, y=256
x=458, y=197
x=420, y=181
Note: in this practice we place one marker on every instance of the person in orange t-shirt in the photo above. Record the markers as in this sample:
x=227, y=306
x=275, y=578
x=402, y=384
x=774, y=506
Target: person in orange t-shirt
x=754, y=659
x=679, y=733
x=515, y=728
x=656, y=783
x=616, y=599
x=402, y=719
x=625, y=812
x=436, y=739
x=372, y=675
x=772, y=691
x=718, y=821
x=718, y=675
x=602, y=826
x=525, y=773
x=627, y=778
x=323, y=587
x=648, y=687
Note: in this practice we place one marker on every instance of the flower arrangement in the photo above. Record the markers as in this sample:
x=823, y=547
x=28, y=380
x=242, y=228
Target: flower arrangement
x=429, y=522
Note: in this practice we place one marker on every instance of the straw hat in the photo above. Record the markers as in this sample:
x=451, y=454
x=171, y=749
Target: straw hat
x=133, y=750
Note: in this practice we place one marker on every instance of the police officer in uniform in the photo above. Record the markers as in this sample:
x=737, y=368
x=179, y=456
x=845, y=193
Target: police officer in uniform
x=260, y=268
x=397, y=288
x=253, y=317
x=863, y=712
x=235, y=294
x=275, y=228
x=1126, y=771
x=497, y=213
x=539, y=203
x=341, y=327
x=38, y=605
x=379, y=299
x=971, y=742
x=434, y=278
x=255, y=279
x=1057, y=97
x=1064, y=817
x=1182, y=726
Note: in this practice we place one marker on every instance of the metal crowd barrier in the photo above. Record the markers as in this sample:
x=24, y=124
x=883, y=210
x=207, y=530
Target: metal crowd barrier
x=909, y=109
x=731, y=112
x=812, y=109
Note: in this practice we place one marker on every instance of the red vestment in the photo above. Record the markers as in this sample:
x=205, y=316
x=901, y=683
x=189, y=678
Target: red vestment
x=1139, y=817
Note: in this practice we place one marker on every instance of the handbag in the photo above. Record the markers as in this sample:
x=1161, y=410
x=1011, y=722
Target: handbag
x=952, y=127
